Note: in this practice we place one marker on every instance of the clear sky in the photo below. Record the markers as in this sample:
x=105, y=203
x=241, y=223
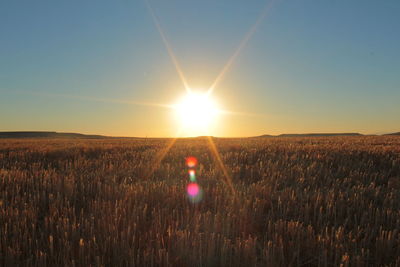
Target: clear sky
x=310, y=66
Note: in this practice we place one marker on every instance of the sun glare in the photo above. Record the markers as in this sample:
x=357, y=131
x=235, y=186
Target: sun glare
x=197, y=112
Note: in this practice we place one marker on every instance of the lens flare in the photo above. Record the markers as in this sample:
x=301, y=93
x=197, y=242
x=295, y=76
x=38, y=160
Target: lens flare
x=191, y=162
x=193, y=189
x=192, y=175
x=195, y=193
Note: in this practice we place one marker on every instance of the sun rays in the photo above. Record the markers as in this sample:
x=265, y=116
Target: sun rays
x=155, y=163
x=168, y=46
x=241, y=46
x=227, y=177
x=189, y=110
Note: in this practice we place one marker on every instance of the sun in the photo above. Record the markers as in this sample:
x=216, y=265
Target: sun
x=197, y=112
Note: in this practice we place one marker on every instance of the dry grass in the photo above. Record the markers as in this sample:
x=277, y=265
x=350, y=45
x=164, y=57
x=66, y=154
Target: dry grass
x=299, y=202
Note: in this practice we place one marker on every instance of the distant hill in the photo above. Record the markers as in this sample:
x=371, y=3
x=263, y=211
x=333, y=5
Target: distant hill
x=319, y=134
x=267, y=135
x=48, y=135
x=312, y=135
x=398, y=133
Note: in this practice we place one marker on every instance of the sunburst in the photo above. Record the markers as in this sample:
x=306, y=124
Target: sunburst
x=199, y=111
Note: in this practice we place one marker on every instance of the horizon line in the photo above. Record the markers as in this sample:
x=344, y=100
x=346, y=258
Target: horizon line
x=315, y=134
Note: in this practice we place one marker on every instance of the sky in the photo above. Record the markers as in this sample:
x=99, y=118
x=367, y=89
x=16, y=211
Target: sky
x=101, y=67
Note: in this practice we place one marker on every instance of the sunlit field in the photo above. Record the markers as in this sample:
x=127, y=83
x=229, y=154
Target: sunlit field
x=324, y=201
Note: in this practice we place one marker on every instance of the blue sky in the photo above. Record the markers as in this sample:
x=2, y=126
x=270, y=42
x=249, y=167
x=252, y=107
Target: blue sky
x=310, y=66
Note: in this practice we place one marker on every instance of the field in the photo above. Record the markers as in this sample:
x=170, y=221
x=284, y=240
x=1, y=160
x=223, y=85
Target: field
x=324, y=201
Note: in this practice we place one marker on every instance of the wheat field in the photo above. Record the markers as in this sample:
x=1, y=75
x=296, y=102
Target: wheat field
x=323, y=201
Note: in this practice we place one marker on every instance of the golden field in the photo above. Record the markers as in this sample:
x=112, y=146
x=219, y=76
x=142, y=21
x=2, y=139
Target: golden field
x=323, y=201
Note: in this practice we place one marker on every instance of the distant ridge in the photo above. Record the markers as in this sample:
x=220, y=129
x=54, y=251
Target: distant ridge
x=320, y=134
x=40, y=134
x=398, y=133
x=312, y=135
